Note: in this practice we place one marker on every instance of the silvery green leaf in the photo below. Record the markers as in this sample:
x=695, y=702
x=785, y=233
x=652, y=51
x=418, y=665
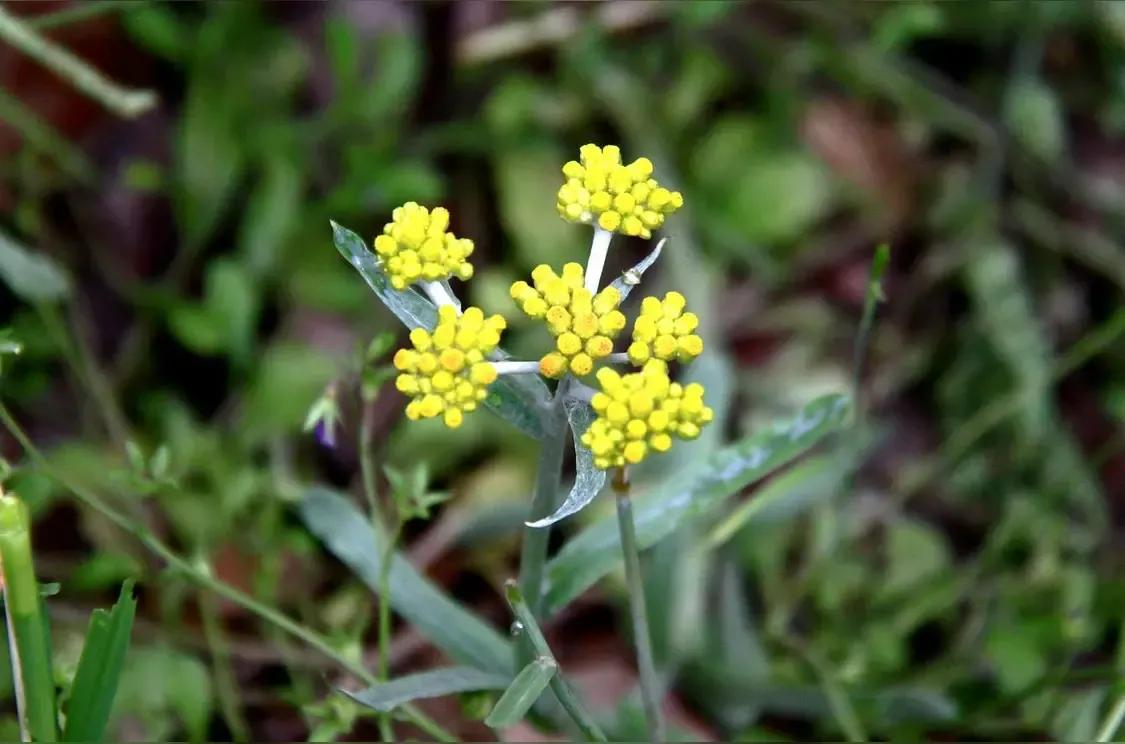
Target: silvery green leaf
x=518, y=399
x=632, y=277
x=389, y=695
x=691, y=491
x=588, y=480
x=409, y=306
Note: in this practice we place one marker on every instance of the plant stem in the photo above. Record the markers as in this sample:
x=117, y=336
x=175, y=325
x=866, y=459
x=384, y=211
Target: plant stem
x=203, y=578
x=385, y=729
x=599, y=247
x=1112, y=721
x=646, y=669
x=28, y=636
x=562, y=689
x=367, y=471
x=533, y=553
x=226, y=683
x=121, y=101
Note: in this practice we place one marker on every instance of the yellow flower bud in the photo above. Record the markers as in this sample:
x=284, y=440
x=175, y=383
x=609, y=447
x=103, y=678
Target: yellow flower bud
x=446, y=374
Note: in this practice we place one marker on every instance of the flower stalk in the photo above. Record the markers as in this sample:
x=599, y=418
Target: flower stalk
x=27, y=634
x=646, y=668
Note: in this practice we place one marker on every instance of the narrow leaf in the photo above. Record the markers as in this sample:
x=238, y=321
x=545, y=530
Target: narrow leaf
x=692, y=491
x=525, y=689
x=32, y=276
x=788, y=494
x=589, y=480
x=99, y=669
x=350, y=536
x=518, y=399
x=632, y=277
x=435, y=683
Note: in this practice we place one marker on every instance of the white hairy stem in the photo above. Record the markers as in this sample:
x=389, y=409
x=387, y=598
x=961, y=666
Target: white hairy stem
x=437, y=294
x=598, y=250
x=619, y=357
x=516, y=368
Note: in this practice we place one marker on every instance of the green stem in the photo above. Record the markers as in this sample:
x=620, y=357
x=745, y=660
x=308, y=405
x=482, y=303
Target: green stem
x=76, y=13
x=1112, y=721
x=562, y=689
x=533, y=553
x=27, y=633
x=370, y=492
x=226, y=683
x=385, y=729
x=121, y=101
x=203, y=577
x=646, y=669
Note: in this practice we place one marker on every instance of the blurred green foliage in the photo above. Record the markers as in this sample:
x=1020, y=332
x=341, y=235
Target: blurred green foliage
x=965, y=583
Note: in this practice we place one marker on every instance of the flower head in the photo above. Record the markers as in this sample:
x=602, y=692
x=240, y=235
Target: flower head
x=664, y=331
x=584, y=324
x=416, y=245
x=640, y=412
x=620, y=198
x=446, y=372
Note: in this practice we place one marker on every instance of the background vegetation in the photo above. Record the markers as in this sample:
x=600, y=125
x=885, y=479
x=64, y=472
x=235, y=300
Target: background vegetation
x=951, y=569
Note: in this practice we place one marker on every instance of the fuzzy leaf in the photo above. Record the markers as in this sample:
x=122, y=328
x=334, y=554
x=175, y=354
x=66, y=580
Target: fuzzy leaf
x=434, y=683
x=690, y=492
x=589, y=480
x=518, y=399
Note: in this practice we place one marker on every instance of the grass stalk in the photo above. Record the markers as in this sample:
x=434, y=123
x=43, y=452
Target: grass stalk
x=27, y=632
x=562, y=689
x=646, y=668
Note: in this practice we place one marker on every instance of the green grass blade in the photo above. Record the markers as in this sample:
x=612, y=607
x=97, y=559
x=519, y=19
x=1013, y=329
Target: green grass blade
x=99, y=669
x=690, y=492
x=348, y=534
x=518, y=399
x=435, y=683
x=525, y=689
x=28, y=633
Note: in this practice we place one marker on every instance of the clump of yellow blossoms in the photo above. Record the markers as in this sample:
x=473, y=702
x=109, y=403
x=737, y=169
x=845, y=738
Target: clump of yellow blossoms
x=584, y=324
x=446, y=373
x=641, y=412
x=416, y=245
x=619, y=198
x=664, y=331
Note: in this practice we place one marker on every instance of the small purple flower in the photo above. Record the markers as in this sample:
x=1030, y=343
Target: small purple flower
x=325, y=433
x=323, y=417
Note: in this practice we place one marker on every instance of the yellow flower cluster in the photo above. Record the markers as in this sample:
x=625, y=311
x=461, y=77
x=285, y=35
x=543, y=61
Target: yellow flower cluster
x=584, y=325
x=446, y=372
x=415, y=246
x=619, y=198
x=664, y=331
x=641, y=412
